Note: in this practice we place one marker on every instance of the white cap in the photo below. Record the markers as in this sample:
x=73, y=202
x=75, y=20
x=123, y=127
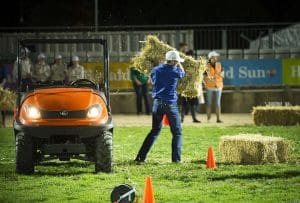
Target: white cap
x=213, y=53
x=41, y=56
x=173, y=56
x=75, y=58
x=25, y=50
x=58, y=56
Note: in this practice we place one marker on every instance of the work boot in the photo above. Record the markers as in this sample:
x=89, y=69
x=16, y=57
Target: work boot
x=139, y=161
x=182, y=116
x=196, y=120
x=208, y=113
x=218, y=112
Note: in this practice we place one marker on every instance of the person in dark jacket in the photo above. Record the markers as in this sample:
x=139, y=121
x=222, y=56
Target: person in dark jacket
x=140, y=83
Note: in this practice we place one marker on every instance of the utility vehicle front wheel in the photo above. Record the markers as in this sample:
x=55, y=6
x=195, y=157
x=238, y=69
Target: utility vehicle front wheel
x=103, y=152
x=24, y=154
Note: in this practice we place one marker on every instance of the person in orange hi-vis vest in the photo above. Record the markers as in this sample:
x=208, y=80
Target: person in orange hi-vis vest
x=213, y=79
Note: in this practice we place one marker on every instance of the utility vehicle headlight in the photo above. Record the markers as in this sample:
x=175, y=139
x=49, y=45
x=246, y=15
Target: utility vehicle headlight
x=94, y=111
x=32, y=112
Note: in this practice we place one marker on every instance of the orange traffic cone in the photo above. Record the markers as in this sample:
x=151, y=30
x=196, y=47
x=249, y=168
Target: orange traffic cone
x=210, y=163
x=148, y=191
x=165, y=120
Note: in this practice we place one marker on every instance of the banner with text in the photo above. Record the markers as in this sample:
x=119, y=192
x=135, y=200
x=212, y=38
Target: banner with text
x=291, y=71
x=119, y=74
x=252, y=72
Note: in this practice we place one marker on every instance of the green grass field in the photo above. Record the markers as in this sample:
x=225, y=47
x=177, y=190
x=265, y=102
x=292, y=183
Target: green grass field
x=190, y=181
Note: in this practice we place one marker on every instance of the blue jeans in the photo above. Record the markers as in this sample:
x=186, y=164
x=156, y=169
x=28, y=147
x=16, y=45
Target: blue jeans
x=209, y=94
x=159, y=109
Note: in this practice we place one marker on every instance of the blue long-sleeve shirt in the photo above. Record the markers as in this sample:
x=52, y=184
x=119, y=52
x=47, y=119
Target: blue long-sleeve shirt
x=164, y=78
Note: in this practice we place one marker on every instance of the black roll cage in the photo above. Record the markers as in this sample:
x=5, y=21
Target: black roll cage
x=24, y=42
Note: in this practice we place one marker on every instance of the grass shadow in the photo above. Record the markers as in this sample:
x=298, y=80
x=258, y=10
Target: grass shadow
x=134, y=163
x=202, y=161
x=284, y=174
x=60, y=173
x=63, y=168
x=66, y=163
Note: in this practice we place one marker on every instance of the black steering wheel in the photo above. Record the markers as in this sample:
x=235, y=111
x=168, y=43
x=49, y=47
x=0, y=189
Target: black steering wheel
x=84, y=83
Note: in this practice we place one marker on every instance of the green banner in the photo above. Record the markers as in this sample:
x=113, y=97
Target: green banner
x=291, y=71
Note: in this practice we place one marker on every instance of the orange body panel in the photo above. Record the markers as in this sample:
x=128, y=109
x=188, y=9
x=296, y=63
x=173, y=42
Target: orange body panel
x=63, y=99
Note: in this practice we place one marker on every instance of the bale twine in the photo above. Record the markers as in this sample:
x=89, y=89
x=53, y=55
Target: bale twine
x=253, y=149
x=153, y=54
x=7, y=100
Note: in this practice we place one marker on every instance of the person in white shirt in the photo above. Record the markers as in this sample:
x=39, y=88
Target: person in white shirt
x=26, y=67
x=75, y=71
x=58, y=70
x=41, y=72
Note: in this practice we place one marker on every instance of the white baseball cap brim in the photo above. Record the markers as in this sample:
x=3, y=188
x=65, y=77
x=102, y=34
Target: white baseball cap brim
x=58, y=57
x=75, y=58
x=41, y=56
x=213, y=53
x=174, y=56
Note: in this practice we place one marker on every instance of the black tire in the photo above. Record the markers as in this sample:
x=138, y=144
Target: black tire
x=24, y=154
x=64, y=158
x=38, y=156
x=103, y=152
x=90, y=150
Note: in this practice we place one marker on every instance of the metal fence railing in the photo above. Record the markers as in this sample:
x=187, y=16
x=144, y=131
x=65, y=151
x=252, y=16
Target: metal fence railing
x=122, y=44
x=232, y=40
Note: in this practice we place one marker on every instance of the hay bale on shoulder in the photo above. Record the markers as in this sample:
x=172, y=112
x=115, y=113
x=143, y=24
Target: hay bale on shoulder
x=153, y=54
x=253, y=149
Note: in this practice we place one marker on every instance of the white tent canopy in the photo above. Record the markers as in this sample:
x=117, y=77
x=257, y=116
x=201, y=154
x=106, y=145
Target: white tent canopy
x=285, y=38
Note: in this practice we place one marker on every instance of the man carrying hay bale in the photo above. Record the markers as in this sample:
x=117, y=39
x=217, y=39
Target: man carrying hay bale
x=153, y=53
x=164, y=78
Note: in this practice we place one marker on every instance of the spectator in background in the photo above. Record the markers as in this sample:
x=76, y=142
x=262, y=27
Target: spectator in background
x=3, y=78
x=3, y=75
x=183, y=47
x=42, y=71
x=189, y=102
x=58, y=70
x=213, y=78
x=183, y=105
x=26, y=68
x=75, y=71
x=140, y=83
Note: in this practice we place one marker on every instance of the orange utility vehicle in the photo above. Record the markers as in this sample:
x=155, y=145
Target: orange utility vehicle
x=69, y=119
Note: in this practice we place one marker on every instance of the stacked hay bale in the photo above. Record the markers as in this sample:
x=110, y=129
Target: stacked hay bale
x=253, y=149
x=276, y=115
x=7, y=100
x=153, y=54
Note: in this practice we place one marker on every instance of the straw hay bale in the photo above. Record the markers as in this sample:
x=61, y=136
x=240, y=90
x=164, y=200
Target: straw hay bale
x=153, y=54
x=7, y=99
x=276, y=115
x=253, y=149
